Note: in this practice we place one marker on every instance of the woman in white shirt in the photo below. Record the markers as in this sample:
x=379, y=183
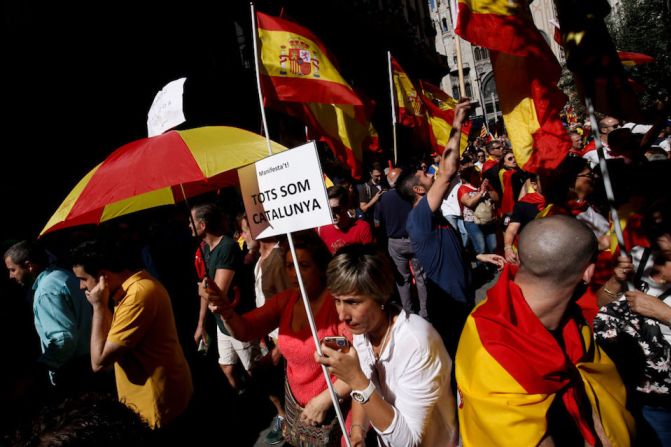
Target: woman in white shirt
x=399, y=370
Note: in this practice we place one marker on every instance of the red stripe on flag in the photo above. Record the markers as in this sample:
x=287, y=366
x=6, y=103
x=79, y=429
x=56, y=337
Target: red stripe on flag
x=308, y=90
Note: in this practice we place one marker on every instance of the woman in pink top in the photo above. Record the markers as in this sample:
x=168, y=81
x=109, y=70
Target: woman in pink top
x=285, y=310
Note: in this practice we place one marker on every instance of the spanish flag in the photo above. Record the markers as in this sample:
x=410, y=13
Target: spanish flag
x=526, y=74
x=297, y=66
x=299, y=77
x=440, y=109
x=411, y=111
x=510, y=369
x=630, y=59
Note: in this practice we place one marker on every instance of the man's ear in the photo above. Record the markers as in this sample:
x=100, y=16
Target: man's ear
x=588, y=273
x=32, y=268
x=419, y=189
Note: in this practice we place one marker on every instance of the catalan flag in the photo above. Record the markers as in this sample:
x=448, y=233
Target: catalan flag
x=440, y=108
x=526, y=74
x=510, y=369
x=299, y=77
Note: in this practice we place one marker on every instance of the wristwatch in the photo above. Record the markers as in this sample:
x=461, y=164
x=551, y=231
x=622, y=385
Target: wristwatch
x=363, y=396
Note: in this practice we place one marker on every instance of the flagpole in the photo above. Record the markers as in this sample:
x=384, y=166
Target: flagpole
x=608, y=186
x=393, y=105
x=304, y=295
x=480, y=94
x=457, y=44
x=496, y=112
x=258, y=79
x=460, y=66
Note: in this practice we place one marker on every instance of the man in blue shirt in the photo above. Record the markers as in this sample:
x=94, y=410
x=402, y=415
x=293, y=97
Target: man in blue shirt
x=62, y=313
x=391, y=214
x=436, y=243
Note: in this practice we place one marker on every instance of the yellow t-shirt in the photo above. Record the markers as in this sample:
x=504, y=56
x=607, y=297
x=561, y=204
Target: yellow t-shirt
x=153, y=376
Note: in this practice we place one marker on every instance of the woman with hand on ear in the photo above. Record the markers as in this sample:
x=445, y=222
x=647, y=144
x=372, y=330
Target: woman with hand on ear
x=399, y=371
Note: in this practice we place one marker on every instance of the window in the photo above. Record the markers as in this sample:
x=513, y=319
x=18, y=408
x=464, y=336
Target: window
x=469, y=93
x=455, y=92
x=444, y=23
x=477, y=54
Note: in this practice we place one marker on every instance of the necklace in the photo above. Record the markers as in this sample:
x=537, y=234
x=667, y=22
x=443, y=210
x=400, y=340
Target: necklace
x=384, y=340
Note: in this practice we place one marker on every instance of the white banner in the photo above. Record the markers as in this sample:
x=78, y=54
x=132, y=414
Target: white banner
x=167, y=110
x=284, y=193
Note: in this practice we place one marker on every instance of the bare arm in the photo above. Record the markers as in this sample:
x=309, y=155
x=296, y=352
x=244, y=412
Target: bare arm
x=508, y=240
x=366, y=205
x=471, y=201
x=449, y=163
x=103, y=352
x=615, y=284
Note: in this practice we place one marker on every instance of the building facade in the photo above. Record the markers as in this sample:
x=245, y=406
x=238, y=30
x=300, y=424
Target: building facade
x=477, y=67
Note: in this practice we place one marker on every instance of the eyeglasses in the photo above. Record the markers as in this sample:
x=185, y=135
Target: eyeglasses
x=337, y=209
x=589, y=175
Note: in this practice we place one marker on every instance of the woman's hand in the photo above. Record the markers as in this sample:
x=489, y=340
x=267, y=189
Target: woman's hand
x=216, y=302
x=623, y=269
x=498, y=261
x=357, y=438
x=511, y=255
x=315, y=411
x=344, y=365
x=648, y=306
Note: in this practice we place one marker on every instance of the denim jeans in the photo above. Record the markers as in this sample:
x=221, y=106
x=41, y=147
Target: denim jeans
x=483, y=237
x=402, y=254
x=659, y=419
x=457, y=222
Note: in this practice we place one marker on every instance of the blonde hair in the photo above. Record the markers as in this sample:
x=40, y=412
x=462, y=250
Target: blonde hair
x=359, y=269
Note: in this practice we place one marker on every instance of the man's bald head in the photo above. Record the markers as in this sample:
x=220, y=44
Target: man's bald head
x=392, y=176
x=556, y=249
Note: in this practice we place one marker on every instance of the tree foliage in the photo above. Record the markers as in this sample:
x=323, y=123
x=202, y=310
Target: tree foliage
x=642, y=26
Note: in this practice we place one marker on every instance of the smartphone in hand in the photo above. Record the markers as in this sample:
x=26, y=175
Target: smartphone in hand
x=338, y=343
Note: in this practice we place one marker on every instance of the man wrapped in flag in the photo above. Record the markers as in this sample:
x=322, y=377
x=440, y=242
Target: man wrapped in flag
x=299, y=77
x=527, y=368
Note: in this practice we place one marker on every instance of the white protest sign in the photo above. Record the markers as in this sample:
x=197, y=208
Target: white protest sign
x=284, y=193
x=167, y=109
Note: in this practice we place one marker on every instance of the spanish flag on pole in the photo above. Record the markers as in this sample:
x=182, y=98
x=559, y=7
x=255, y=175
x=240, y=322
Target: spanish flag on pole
x=510, y=370
x=526, y=74
x=297, y=65
x=299, y=77
x=440, y=109
x=411, y=111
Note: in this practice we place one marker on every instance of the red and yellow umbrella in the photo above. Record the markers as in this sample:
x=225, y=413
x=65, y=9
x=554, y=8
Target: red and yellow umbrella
x=157, y=171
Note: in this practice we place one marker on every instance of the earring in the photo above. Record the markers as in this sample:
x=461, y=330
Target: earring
x=381, y=306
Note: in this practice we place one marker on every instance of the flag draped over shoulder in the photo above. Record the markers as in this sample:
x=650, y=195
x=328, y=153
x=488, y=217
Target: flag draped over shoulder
x=526, y=74
x=440, y=111
x=299, y=77
x=510, y=365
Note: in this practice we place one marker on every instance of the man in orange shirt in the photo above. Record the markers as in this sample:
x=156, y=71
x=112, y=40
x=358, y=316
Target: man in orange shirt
x=139, y=338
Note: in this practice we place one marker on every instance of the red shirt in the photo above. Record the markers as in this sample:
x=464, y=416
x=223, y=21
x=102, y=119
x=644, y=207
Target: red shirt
x=335, y=238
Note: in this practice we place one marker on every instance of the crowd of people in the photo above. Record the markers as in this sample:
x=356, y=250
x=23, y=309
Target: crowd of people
x=570, y=346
